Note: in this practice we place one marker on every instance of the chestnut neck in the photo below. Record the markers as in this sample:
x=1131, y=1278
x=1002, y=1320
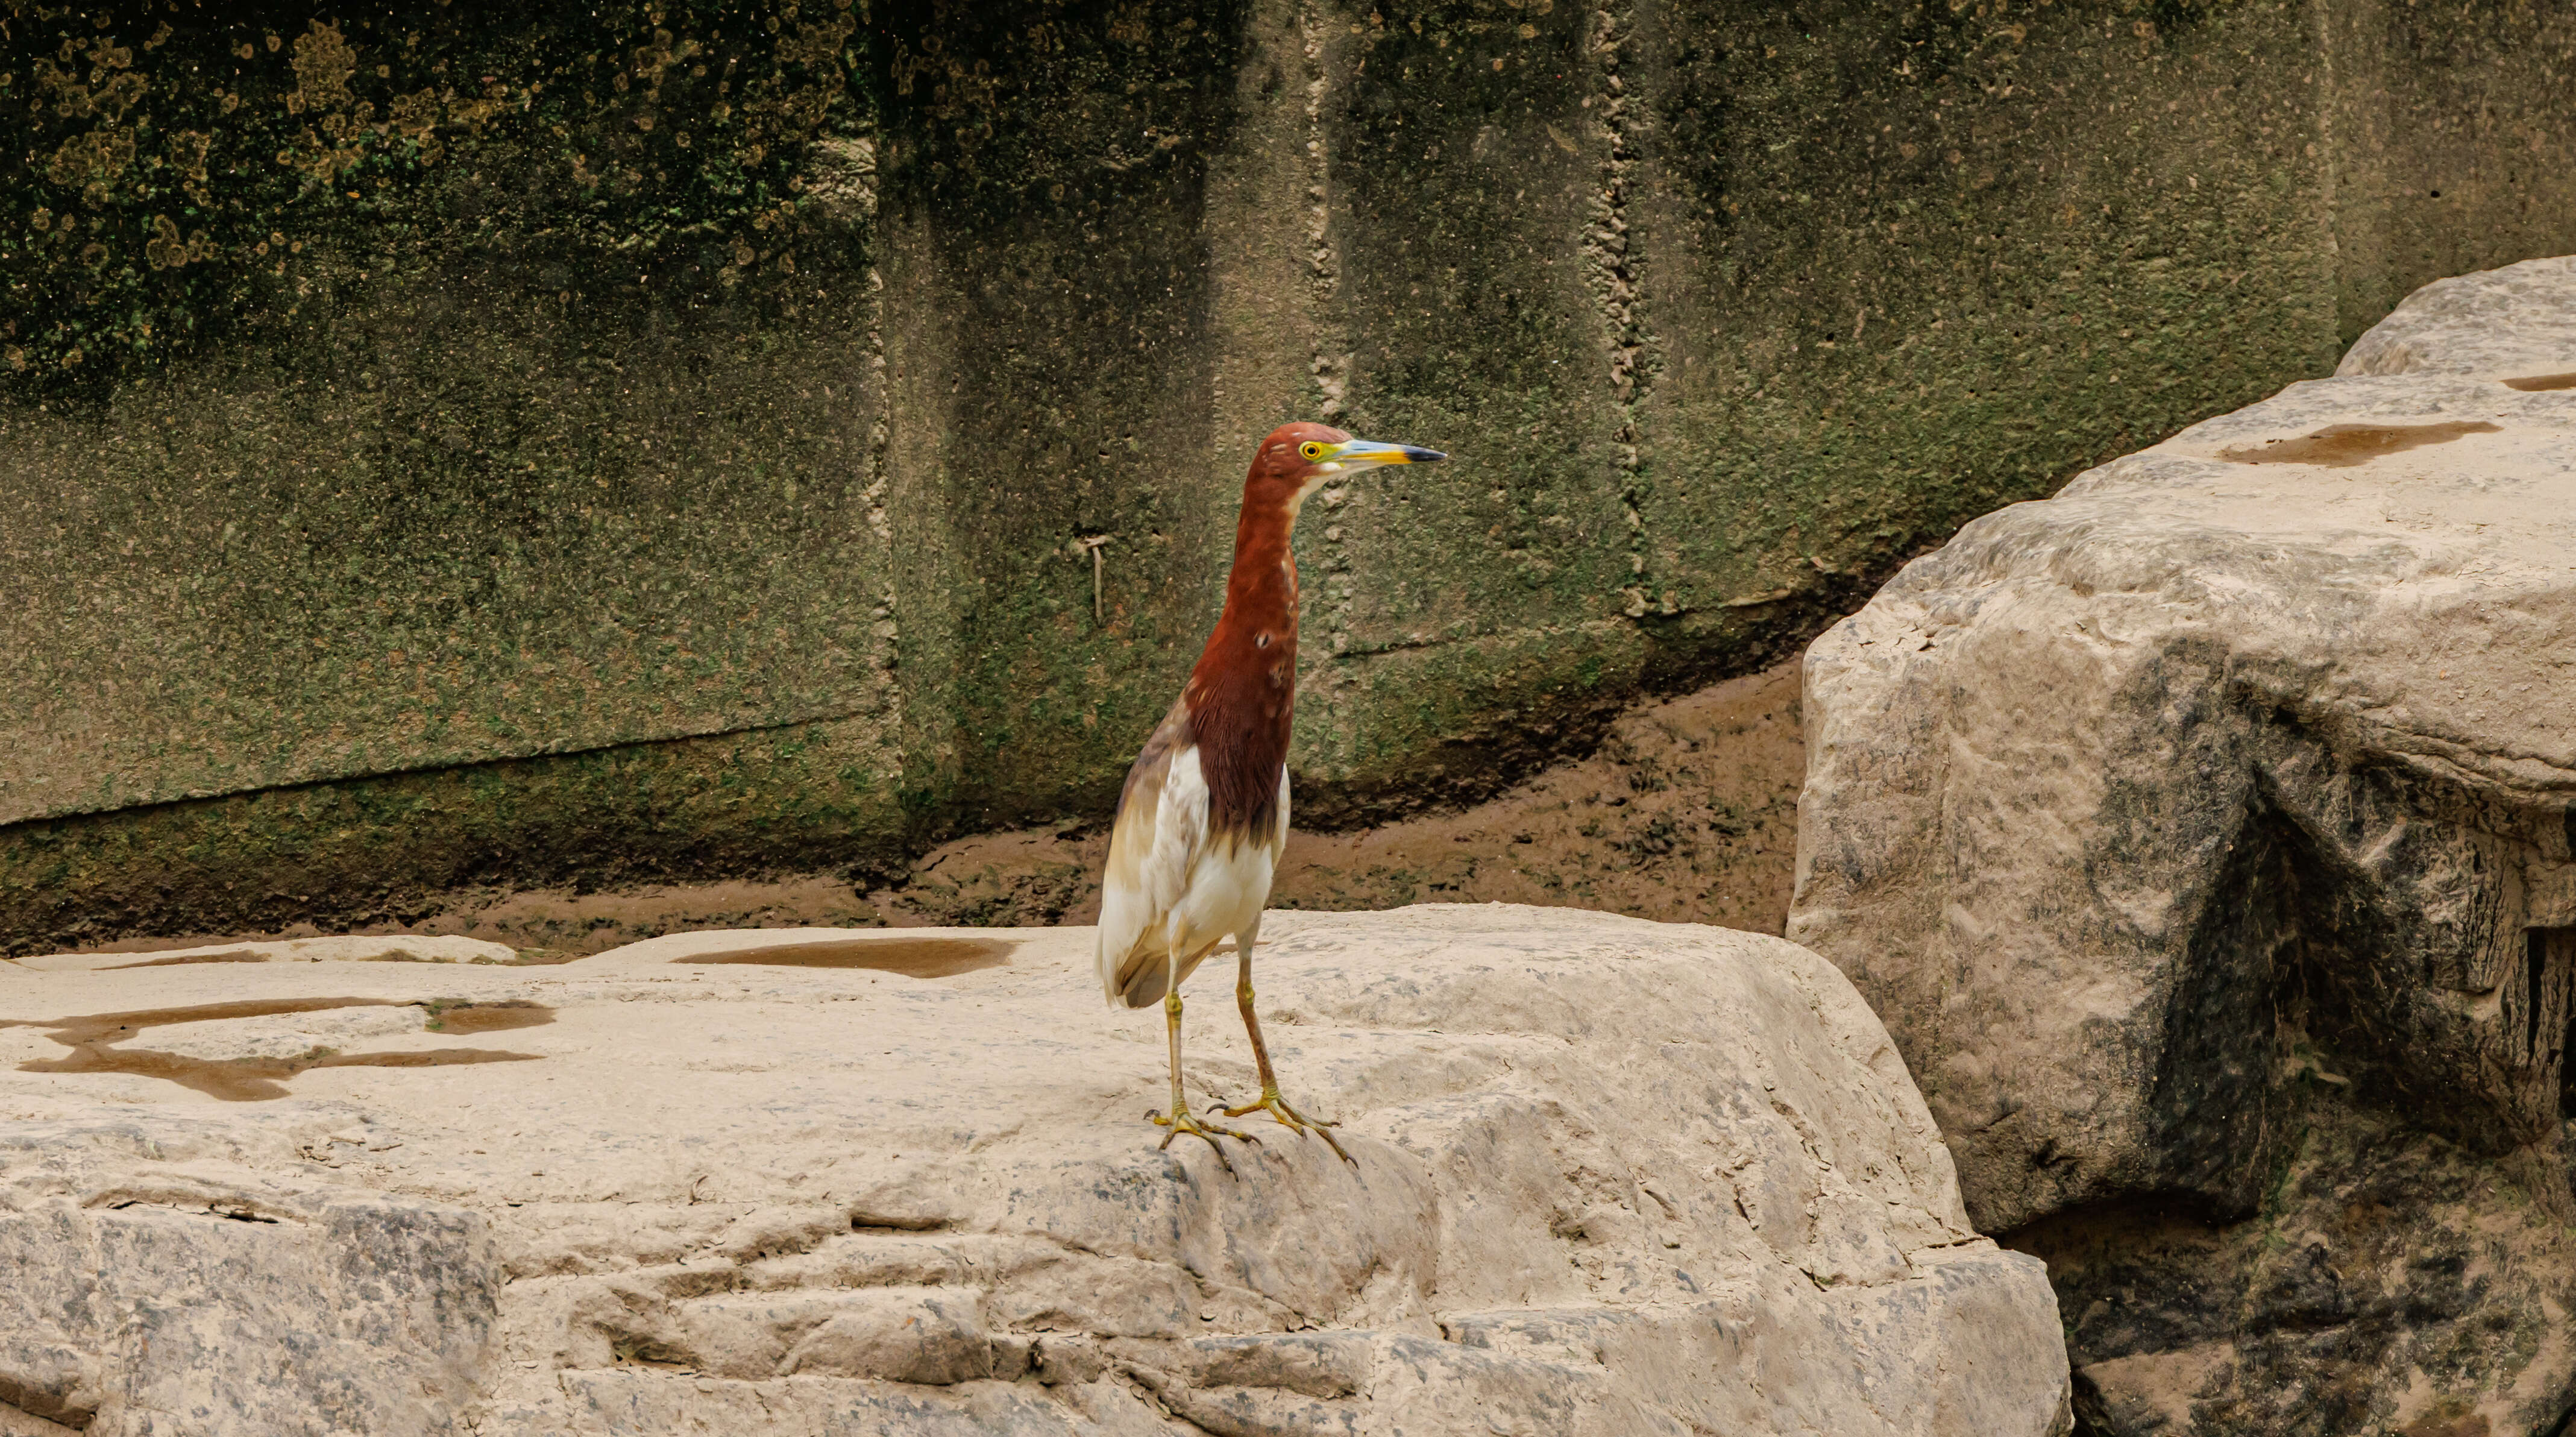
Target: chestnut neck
x=1242, y=695
x=1261, y=592
x=1260, y=598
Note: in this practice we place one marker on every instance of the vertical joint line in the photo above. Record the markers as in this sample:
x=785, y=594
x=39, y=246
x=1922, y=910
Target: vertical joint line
x=1617, y=272
x=1329, y=363
x=888, y=628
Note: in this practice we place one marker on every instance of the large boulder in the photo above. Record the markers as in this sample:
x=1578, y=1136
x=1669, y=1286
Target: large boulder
x=2203, y=836
x=1612, y=1177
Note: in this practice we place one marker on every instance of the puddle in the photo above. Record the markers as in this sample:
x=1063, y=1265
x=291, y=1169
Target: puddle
x=488, y=1017
x=2538, y=383
x=94, y=1039
x=2340, y=446
x=910, y=957
x=238, y=955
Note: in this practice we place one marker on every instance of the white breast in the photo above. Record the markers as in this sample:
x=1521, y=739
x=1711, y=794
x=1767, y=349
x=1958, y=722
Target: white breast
x=1172, y=890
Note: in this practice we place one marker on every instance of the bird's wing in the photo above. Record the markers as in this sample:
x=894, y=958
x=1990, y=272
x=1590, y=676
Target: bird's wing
x=1162, y=825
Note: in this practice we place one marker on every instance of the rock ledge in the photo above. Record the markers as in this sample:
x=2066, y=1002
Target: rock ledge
x=1614, y=1177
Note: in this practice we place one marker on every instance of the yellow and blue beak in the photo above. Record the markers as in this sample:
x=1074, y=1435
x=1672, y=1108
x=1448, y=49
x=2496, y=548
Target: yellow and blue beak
x=1369, y=454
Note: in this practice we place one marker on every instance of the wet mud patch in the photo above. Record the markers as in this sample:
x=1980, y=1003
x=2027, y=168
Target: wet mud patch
x=2542, y=383
x=2342, y=446
x=96, y=1041
x=1687, y=813
x=487, y=1017
x=910, y=957
x=540, y=958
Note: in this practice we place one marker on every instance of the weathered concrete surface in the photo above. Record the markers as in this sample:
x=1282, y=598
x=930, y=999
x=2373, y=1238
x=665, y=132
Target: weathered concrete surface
x=565, y=443
x=1613, y=1177
x=2203, y=834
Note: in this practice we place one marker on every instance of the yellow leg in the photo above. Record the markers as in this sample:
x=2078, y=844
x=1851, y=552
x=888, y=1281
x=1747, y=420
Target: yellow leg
x=1270, y=1100
x=1180, y=1120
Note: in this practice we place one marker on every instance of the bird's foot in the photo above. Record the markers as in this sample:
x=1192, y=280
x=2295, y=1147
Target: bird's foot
x=1181, y=1122
x=1277, y=1107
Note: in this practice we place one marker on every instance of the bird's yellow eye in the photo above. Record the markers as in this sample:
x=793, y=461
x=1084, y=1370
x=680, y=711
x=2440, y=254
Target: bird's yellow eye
x=1311, y=449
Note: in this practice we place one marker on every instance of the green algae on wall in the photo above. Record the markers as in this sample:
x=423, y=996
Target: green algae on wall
x=1901, y=284
x=379, y=849
x=188, y=174
x=476, y=445
x=721, y=437
x=1049, y=296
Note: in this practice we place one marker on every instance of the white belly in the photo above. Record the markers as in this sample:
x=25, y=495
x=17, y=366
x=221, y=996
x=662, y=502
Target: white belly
x=1227, y=887
x=1172, y=890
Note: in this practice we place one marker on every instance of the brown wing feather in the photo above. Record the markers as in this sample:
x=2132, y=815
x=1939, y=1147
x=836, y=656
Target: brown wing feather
x=1138, y=884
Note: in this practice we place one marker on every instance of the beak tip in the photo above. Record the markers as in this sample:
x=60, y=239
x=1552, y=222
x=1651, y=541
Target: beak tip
x=1422, y=456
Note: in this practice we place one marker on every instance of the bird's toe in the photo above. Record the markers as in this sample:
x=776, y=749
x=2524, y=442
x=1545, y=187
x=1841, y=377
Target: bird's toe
x=1277, y=1107
x=1182, y=1122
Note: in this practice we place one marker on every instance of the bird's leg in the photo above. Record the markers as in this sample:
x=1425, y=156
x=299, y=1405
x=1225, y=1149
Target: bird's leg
x=1180, y=1120
x=1270, y=1101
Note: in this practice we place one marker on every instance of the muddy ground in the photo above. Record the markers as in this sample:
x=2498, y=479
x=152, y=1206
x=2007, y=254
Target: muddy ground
x=1686, y=812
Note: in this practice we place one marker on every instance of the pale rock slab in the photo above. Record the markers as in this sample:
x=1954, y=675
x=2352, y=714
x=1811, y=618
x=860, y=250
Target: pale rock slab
x=2511, y=324
x=1614, y=1177
x=2203, y=836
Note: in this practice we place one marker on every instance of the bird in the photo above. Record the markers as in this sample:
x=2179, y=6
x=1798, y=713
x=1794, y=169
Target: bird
x=1203, y=815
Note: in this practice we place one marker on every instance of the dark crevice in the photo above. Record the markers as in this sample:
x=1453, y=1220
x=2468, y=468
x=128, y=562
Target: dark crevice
x=39, y=1400
x=225, y=1214
x=2549, y=956
x=2345, y=983
x=2535, y=969
x=2215, y=1102
x=2092, y=1414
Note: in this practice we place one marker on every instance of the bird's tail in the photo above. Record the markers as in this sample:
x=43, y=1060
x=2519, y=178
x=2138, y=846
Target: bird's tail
x=1110, y=986
x=1139, y=976
x=1143, y=990
x=1114, y=952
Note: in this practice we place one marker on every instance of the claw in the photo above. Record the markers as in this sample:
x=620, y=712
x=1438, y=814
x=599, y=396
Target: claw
x=1182, y=1122
x=1297, y=1122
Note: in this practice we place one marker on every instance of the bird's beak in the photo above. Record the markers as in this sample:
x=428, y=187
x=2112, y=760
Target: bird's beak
x=1368, y=454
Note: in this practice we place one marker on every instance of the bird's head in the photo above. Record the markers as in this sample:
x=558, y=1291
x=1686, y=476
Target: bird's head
x=1298, y=459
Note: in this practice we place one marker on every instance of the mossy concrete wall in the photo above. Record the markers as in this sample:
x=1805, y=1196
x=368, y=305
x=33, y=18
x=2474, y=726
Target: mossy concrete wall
x=454, y=444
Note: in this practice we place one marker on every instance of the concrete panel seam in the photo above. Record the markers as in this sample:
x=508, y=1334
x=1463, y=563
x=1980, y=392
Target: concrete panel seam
x=1616, y=274
x=1331, y=370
